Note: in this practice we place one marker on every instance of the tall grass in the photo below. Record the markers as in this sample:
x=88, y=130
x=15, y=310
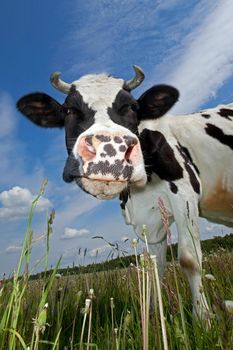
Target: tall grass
x=112, y=309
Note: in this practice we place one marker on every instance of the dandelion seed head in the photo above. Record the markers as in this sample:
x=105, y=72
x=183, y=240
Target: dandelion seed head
x=134, y=243
x=154, y=259
x=87, y=302
x=112, y=305
x=142, y=260
x=229, y=306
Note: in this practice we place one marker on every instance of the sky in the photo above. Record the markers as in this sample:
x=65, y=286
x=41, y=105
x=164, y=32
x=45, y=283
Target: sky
x=188, y=44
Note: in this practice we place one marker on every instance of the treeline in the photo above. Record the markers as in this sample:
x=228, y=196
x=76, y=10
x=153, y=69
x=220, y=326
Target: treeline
x=208, y=246
x=213, y=244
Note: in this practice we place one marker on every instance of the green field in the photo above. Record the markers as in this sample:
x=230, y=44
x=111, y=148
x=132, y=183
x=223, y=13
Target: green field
x=111, y=309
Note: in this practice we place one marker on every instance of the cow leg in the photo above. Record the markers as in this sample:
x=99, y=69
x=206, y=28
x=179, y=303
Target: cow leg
x=190, y=257
x=190, y=261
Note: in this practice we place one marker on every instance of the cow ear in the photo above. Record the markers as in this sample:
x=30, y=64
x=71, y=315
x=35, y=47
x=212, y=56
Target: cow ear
x=42, y=110
x=157, y=101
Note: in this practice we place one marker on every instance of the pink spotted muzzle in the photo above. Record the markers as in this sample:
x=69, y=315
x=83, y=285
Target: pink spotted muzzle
x=109, y=163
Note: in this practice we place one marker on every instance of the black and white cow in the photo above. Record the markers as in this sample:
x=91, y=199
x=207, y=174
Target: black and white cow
x=118, y=145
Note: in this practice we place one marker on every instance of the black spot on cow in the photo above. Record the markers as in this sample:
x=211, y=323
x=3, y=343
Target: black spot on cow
x=173, y=187
x=79, y=118
x=124, y=196
x=205, y=115
x=95, y=168
x=189, y=168
x=219, y=135
x=103, y=155
x=110, y=150
x=127, y=172
x=103, y=138
x=187, y=205
x=104, y=167
x=117, y=139
x=193, y=179
x=122, y=148
x=116, y=169
x=188, y=155
x=123, y=111
x=159, y=157
x=226, y=113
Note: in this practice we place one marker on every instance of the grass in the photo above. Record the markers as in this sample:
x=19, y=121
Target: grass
x=110, y=309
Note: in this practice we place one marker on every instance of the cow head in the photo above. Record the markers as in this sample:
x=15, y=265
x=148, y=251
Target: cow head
x=101, y=119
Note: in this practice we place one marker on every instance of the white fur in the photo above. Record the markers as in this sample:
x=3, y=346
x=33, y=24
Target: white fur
x=99, y=92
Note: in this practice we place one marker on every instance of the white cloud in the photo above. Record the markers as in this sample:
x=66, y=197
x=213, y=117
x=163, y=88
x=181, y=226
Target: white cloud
x=71, y=233
x=17, y=201
x=99, y=250
x=13, y=249
x=210, y=227
x=205, y=59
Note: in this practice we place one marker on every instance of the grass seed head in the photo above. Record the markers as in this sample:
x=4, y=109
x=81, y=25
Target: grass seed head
x=229, y=306
x=112, y=305
x=40, y=323
x=91, y=293
x=210, y=277
x=127, y=320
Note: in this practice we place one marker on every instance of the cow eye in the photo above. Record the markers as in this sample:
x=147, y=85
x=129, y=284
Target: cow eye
x=124, y=109
x=75, y=111
x=65, y=109
x=127, y=107
x=135, y=107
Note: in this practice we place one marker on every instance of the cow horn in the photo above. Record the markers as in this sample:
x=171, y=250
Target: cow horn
x=136, y=81
x=59, y=84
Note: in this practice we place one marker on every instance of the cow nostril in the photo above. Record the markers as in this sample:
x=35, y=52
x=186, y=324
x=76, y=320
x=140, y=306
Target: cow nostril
x=89, y=147
x=128, y=154
x=130, y=141
x=86, y=149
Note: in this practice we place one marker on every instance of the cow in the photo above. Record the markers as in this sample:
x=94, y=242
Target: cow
x=121, y=146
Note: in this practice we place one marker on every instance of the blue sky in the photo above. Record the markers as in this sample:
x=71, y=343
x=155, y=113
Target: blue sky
x=185, y=43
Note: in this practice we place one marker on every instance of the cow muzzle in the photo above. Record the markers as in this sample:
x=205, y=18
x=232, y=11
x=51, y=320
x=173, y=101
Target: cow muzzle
x=109, y=163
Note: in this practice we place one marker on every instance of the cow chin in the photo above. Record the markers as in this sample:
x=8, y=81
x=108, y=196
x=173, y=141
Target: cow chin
x=102, y=189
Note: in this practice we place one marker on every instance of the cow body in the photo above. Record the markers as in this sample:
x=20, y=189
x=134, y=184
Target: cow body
x=205, y=189
x=121, y=146
x=203, y=144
